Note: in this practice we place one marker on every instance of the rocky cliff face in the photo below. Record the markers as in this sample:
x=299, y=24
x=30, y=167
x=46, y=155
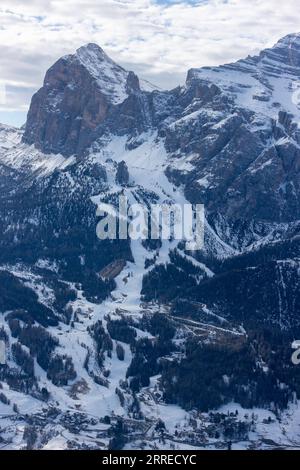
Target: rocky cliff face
x=238, y=136
x=79, y=93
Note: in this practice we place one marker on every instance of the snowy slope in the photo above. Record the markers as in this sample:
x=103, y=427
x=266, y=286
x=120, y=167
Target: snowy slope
x=21, y=157
x=263, y=84
x=110, y=77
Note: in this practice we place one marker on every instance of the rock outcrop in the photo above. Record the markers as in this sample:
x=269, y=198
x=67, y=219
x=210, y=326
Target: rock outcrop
x=122, y=175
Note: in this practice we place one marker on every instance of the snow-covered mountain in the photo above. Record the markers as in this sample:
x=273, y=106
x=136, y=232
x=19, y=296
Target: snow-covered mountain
x=107, y=342
x=264, y=83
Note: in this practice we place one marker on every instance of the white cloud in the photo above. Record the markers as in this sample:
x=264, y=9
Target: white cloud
x=160, y=40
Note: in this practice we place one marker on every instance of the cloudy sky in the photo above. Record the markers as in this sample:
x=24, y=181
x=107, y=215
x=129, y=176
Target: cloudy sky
x=158, y=39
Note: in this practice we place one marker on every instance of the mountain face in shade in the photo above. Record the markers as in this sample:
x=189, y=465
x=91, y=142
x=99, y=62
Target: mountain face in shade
x=105, y=339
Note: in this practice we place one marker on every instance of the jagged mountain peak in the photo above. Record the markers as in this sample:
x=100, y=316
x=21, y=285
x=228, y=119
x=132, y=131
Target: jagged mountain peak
x=291, y=39
x=285, y=52
x=281, y=51
x=93, y=53
x=78, y=94
x=91, y=47
x=264, y=83
x=98, y=63
x=111, y=78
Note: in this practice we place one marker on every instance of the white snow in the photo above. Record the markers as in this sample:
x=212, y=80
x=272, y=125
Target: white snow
x=260, y=84
x=20, y=156
x=110, y=77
